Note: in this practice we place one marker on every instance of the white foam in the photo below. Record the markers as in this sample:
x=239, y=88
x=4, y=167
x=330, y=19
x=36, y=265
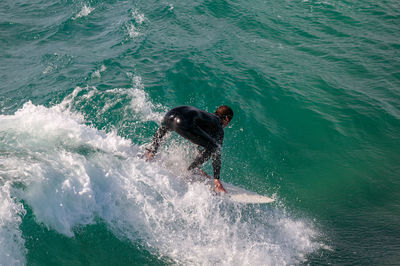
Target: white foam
x=73, y=173
x=137, y=16
x=132, y=30
x=12, y=250
x=48, y=70
x=141, y=104
x=133, y=26
x=97, y=73
x=140, y=108
x=85, y=11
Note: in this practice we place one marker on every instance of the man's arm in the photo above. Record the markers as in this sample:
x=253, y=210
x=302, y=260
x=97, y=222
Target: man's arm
x=157, y=138
x=217, y=169
x=216, y=163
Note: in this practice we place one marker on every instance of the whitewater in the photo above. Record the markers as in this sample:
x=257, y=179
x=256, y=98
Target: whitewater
x=72, y=175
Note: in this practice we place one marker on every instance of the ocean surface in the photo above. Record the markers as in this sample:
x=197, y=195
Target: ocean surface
x=315, y=88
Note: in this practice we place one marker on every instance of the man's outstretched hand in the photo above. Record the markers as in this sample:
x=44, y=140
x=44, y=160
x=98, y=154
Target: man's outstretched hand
x=149, y=155
x=218, y=186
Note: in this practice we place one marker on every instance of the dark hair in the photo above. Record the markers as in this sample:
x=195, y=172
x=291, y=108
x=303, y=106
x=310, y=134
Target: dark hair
x=224, y=111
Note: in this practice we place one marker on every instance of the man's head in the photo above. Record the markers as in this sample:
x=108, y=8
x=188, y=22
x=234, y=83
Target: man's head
x=225, y=113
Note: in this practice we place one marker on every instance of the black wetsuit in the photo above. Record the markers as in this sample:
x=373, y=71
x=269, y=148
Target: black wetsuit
x=198, y=126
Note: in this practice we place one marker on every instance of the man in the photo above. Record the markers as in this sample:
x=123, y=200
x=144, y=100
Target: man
x=200, y=127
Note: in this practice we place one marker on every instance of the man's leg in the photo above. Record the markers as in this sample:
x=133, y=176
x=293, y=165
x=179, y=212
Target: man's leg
x=197, y=136
x=200, y=159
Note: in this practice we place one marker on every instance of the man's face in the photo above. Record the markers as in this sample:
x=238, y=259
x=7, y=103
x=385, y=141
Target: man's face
x=225, y=122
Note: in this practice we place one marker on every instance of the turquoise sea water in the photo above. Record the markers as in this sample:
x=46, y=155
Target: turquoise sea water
x=315, y=87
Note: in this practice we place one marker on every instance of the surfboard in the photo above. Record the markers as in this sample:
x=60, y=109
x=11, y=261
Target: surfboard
x=234, y=193
x=242, y=195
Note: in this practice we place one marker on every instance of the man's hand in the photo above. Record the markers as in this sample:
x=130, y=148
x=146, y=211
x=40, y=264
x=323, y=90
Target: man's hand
x=218, y=186
x=149, y=155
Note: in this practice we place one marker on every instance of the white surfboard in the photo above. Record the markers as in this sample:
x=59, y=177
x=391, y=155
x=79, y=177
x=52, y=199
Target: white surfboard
x=242, y=195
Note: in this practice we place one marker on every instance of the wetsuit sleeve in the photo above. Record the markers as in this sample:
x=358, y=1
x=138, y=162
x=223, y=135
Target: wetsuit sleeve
x=202, y=158
x=216, y=157
x=157, y=138
x=216, y=163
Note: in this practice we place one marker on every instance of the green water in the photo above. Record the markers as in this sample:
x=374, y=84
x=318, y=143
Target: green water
x=314, y=86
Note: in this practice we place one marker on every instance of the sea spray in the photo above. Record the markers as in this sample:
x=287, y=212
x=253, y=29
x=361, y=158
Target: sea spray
x=12, y=250
x=85, y=11
x=73, y=174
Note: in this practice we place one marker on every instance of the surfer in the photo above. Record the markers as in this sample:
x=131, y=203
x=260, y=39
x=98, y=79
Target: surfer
x=200, y=127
